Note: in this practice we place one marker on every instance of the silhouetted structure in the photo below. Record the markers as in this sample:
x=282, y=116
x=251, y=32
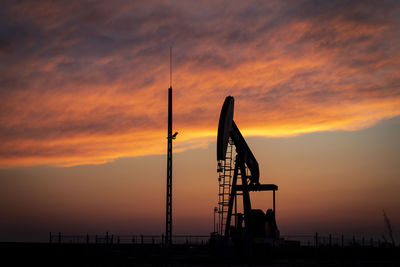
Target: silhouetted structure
x=149, y=253
x=170, y=137
x=257, y=224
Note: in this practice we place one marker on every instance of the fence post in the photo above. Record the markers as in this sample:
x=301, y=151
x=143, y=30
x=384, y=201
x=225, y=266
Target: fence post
x=316, y=239
x=59, y=237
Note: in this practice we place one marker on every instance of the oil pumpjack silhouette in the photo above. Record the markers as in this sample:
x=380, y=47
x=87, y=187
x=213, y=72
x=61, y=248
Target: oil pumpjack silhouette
x=259, y=227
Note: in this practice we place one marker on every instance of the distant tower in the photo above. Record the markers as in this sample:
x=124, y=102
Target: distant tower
x=170, y=137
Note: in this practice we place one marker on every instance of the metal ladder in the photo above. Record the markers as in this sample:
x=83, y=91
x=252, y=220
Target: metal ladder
x=224, y=189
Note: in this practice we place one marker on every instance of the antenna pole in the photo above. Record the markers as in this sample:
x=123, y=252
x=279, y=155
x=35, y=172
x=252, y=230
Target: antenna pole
x=168, y=224
x=170, y=67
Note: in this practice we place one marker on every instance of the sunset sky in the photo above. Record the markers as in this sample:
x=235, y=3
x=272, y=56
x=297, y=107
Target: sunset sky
x=83, y=112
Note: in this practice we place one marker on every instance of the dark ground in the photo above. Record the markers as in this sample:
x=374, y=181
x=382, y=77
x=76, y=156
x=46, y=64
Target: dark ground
x=43, y=254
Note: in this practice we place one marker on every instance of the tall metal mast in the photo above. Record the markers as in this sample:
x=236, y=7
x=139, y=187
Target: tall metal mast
x=170, y=137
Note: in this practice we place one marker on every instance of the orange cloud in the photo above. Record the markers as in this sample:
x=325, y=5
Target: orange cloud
x=92, y=86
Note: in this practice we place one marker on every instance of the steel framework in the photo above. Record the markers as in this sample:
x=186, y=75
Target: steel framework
x=224, y=189
x=168, y=224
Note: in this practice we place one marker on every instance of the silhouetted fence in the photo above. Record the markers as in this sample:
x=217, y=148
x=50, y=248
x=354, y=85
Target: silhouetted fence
x=315, y=240
x=127, y=239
